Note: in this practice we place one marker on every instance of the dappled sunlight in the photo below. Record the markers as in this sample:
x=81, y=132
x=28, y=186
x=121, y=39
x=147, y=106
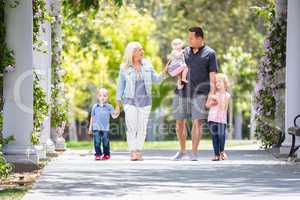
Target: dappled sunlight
x=252, y=173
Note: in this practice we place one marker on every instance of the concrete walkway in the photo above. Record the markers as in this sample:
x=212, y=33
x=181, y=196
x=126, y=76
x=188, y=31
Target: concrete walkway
x=249, y=174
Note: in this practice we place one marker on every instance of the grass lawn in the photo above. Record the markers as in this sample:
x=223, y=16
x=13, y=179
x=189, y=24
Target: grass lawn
x=12, y=194
x=122, y=145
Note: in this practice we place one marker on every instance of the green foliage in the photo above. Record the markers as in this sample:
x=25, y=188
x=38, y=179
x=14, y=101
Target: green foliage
x=34, y=138
x=3, y=140
x=96, y=34
x=6, y=59
x=13, y=193
x=78, y=6
x=240, y=67
x=59, y=108
x=40, y=109
x=40, y=15
x=266, y=12
x=225, y=23
x=5, y=168
x=94, y=47
x=231, y=27
x=59, y=101
x=6, y=55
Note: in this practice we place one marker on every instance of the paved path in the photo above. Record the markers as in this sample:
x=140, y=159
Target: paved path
x=249, y=174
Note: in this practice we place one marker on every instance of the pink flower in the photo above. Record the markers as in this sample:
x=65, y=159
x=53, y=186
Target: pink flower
x=9, y=68
x=267, y=44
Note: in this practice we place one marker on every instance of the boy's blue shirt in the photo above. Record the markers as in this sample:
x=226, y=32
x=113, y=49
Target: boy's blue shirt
x=101, y=115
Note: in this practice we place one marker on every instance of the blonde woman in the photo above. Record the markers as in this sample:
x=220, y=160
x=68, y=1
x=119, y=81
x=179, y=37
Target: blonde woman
x=136, y=76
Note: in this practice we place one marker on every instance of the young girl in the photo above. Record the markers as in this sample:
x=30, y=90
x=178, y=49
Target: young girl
x=217, y=116
x=176, y=65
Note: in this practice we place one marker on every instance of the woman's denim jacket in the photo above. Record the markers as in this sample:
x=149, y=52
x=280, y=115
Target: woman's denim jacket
x=127, y=79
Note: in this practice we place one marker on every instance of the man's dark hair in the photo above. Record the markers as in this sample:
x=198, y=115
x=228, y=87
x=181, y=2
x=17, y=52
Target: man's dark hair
x=197, y=30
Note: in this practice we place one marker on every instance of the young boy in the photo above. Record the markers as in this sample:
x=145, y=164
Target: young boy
x=99, y=124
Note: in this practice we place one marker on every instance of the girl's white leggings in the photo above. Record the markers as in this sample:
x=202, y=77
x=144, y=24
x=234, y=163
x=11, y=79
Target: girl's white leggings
x=136, y=119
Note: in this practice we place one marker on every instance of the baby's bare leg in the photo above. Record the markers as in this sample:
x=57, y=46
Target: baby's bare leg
x=179, y=85
x=184, y=75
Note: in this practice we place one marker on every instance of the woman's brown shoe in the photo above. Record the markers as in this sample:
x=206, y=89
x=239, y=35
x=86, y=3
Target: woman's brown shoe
x=139, y=155
x=134, y=156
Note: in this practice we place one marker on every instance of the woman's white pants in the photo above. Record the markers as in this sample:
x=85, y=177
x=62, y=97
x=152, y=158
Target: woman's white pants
x=136, y=119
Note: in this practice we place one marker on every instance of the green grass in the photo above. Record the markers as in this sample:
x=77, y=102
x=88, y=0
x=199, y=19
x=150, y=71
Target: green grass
x=122, y=145
x=12, y=194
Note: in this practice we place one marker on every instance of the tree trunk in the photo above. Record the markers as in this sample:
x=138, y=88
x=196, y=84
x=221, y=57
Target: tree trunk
x=73, y=131
x=230, y=127
x=238, y=124
x=281, y=9
x=252, y=123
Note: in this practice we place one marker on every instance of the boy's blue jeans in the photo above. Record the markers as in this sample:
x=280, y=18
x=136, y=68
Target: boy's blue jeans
x=218, y=134
x=101, y=137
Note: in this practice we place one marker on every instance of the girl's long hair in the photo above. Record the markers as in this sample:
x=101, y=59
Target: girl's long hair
x=225, y=80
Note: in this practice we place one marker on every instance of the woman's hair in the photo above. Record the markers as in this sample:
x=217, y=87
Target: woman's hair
x=128, y=55
x=224, y=79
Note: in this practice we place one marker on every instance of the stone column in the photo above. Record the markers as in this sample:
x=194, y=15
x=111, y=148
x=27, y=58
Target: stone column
x=281, y=16
x=42, y=64
x=57, y=132
x=292, y=70
x=18, y=86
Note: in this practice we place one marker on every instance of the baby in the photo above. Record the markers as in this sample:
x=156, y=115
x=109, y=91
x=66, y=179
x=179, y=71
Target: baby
x=176, y=65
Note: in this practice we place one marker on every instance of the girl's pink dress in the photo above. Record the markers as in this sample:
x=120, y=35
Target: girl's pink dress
x=177, y=65
x=217, y=113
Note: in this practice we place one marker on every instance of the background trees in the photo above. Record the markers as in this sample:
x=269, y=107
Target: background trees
x=96, y=32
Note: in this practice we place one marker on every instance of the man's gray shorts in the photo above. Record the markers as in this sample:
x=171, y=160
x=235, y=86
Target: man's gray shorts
x=189, y=108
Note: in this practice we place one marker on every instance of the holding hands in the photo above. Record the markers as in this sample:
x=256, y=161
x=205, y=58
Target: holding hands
x=117, y=112
x=212, y=100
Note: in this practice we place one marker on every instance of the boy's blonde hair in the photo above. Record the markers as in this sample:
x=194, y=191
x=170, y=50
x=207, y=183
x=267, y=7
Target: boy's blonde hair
x=102, y=90
x=225, y=80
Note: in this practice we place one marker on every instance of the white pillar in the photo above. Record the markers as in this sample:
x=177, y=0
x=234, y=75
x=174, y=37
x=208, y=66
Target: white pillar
x=57, y=132
x=42, y=64
x=18, y=85
x=293, y=66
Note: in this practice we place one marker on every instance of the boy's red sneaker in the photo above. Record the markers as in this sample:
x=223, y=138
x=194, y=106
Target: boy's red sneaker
x=97, y=157
x=106, y=157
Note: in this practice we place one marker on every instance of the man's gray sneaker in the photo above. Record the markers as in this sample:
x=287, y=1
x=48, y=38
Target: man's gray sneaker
x=194, y=157
x=178, y=156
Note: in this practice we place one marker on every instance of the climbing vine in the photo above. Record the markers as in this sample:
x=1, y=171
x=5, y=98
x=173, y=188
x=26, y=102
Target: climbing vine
x=40, y=108
x=40, y=15
x=5, y=168
x=7, y=60
x=40, y=105
x=59, y=101
x=271, y=63
x=7, y=64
